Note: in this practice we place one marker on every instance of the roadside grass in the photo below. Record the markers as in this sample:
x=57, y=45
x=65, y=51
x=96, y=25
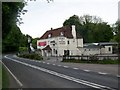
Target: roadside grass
x=0, y=76
x=33, y=56
x=5, y=79
x=106, y=61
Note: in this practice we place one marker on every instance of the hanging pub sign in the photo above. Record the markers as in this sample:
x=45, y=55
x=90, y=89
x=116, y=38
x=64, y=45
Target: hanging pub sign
x=42, y=43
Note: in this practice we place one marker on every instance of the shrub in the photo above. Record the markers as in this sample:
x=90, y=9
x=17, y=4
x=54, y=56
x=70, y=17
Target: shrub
x=32, y=56
x=23, y=49
x=93, y=58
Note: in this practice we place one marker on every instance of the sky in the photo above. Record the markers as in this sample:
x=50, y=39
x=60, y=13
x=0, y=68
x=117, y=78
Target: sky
x=43, y=16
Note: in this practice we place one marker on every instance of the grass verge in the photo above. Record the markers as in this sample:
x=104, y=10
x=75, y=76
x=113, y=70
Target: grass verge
x=0, y=76
x=5, y=79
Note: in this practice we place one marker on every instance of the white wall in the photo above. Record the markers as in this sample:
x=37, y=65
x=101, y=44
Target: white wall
x=61, y=44
x=91, y=51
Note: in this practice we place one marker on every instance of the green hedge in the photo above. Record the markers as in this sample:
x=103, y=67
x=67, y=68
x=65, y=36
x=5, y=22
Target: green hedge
x=31, y=56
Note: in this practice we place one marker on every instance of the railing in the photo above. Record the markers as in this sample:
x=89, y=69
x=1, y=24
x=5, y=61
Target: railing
x=91, y=57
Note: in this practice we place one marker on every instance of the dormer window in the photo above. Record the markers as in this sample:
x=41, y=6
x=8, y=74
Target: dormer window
x=61, y=33
x=49, y=35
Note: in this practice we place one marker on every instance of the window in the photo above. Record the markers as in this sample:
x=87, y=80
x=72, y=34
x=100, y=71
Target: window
x=109, y=49
x=68, y=42
x=61, y=34
x=49, y=35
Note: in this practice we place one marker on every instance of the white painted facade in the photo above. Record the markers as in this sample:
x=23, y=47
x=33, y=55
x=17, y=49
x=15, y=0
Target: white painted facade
x=97, y=50
x=59, y=44
x=106, y=50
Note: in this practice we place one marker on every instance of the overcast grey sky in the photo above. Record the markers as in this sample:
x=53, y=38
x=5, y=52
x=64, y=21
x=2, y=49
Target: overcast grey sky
x=41, y=16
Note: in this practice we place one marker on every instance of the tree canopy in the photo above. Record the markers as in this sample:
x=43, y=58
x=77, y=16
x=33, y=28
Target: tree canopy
x=92, y=28
x=11, y=34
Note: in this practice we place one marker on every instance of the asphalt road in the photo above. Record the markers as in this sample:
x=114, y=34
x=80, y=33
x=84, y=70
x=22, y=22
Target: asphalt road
x=39, y=74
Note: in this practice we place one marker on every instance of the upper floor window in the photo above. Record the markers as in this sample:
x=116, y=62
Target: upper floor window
x=49, y=35
x=61, y=33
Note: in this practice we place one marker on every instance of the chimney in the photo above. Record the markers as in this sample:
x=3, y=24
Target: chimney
x=51, y=28
x=73, y=31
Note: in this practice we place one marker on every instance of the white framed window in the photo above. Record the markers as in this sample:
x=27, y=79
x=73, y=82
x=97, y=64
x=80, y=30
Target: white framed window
x=49, y=35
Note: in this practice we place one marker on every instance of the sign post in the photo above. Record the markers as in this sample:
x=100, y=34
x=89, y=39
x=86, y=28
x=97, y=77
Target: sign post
x=29, y=42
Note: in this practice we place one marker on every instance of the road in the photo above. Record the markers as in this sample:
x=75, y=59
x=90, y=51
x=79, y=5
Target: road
x=42, y=74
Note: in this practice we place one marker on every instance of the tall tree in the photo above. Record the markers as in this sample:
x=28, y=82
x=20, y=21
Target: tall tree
x=92, y=28
x=11, y=33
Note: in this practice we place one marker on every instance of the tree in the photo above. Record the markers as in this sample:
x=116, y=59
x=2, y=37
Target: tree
x=34, y=43
x=92, y=28
x=11, y=33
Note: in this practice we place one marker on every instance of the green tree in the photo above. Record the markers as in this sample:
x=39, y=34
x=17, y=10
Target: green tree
x=12, y=37
x=34, y=43
x=11, y=33
x=92, y=28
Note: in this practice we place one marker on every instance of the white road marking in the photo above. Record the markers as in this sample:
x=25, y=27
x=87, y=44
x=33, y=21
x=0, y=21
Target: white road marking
x=76, y=68
x=94, y=85
x=54, y=64
x=86, y=70
x=48, y=63
x=102, y=73
x=118, y=76
x=43, y=62
x=18, y=81
x=59, y=65
x=65, y=66
x=39, y=61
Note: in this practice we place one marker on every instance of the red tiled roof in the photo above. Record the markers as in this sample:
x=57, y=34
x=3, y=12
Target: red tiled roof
x=66, y=30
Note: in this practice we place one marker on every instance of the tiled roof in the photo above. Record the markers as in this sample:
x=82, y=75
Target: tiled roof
x=66, y=30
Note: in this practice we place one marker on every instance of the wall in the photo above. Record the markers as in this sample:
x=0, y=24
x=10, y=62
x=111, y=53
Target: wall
x=61, y=44
x=91, y=51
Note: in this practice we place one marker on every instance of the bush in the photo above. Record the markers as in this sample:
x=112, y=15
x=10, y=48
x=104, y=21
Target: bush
x=93, y=58
x=31, y=56
x=23, y=49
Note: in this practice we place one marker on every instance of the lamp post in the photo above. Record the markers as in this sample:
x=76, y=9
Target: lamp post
x=29, y=42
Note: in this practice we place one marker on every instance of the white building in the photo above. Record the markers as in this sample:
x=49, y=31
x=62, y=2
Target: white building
x=60, y=41
x=102, y=48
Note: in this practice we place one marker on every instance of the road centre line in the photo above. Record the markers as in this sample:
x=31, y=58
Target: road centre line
x=80, y=81
x=59, y=65
x=18, y=81
x=76, y=68
x=102, y=73
x=86, y=70
x=118, y=76
x=65, y=66
x=43, y=62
